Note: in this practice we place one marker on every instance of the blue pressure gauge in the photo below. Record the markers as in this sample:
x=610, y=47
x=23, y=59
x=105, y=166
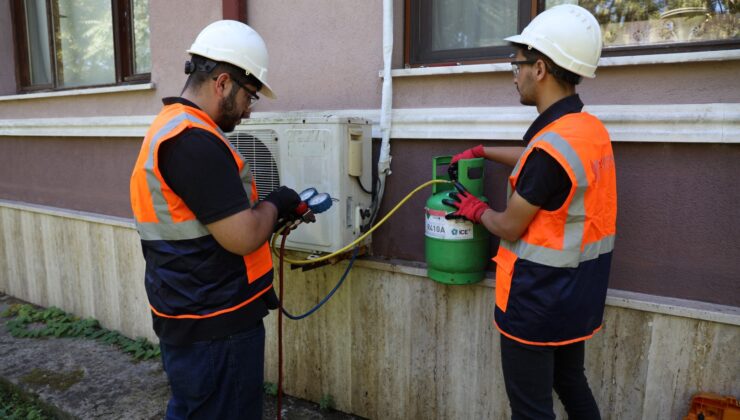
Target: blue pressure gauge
x=319, y=203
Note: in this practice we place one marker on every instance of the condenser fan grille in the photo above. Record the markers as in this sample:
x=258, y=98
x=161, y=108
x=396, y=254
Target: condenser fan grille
x=259, y=148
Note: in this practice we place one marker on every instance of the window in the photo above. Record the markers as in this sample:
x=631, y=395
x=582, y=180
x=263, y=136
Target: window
x=449, y=32
x=650, y=26
x=64, y=44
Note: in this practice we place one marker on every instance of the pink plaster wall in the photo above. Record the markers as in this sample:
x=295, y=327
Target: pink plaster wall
x=174, y=26
x=324, y=54
x=708, y=82
x=87, y=174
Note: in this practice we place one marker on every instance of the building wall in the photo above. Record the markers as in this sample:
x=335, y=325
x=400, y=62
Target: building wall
x=390, y=344
x=677, y=219
x=89, y=174
x=324, y=54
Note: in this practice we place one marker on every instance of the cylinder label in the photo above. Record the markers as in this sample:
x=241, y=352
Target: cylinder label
x=439, y=227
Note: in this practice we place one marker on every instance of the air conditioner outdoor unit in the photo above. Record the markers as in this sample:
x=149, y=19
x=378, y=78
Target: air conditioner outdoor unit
x=329, y=153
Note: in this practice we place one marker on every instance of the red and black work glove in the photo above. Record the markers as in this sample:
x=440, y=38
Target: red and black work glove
x=472, y=153
x=468, y=206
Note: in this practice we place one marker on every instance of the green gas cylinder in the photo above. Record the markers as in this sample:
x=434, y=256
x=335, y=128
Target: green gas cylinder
x=457, y=250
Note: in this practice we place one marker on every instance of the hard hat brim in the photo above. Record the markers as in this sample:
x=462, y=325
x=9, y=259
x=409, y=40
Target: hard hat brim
x=267, y=91
x=516, y=39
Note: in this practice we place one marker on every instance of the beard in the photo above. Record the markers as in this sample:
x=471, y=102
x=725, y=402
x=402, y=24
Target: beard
x=229, y=116
x=525, y=98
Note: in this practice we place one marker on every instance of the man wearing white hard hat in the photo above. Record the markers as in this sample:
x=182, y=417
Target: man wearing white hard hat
x=557, y=231
x=204, y=234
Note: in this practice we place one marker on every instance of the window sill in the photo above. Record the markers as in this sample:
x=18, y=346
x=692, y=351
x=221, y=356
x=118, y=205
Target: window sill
x=633, y=60
x=78, y=92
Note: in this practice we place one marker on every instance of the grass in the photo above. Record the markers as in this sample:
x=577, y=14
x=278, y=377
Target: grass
x=270, y=388
x=32, y=322
x=326, y=403
x=28, y=321
x=17, y=406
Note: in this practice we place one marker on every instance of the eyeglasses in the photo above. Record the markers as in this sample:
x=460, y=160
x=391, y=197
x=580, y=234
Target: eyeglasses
x=516, y=63
x=253, y=98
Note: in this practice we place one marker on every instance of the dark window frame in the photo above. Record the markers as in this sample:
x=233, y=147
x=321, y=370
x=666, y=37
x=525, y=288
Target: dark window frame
x=417, y=54
x=417, y=49
x=123, y=49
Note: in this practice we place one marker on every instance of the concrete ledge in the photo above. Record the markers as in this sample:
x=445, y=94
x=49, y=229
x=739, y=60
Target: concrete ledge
x=78, y=92
x=70, y=214
x=693, y=309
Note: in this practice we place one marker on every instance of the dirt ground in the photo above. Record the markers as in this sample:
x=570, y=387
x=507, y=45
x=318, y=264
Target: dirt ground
x=100, y=381
x=294, y=408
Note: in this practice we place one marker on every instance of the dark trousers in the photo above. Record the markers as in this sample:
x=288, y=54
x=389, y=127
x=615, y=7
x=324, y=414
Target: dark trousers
x=218, y=379
x=532, y=372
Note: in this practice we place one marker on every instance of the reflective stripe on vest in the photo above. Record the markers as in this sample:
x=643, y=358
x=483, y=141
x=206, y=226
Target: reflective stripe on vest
x=571, y=254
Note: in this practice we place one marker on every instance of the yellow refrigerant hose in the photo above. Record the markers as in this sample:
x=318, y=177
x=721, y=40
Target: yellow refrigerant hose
x=358, y=240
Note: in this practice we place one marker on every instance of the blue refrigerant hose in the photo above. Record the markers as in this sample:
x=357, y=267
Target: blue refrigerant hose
x=325, y=299
x=321, y=203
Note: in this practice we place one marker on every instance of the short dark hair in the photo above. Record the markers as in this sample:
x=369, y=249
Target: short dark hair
x=560, y=74
x=200, y=70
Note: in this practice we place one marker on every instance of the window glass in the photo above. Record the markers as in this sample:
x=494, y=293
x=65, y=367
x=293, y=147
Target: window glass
x=472, y=23
x=655, y=22
x=142, y=53
x=444, y=32
x=37, y=34
x=75, y=43
x=84, y=37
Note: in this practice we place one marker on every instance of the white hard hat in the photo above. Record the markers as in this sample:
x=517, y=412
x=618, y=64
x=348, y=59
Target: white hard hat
x=567, y=34
x=235, y=43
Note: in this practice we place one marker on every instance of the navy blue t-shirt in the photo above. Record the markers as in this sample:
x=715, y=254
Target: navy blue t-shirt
x=200, y=169
x=543, y=182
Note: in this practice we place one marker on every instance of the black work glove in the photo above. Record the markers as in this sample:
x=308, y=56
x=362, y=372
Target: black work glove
x=285, y=199
x=452, y=171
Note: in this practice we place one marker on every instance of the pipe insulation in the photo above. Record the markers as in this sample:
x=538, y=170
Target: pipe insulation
x=386, y=107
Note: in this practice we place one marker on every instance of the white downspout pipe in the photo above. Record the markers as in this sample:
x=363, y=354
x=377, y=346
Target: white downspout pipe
x=386, y=107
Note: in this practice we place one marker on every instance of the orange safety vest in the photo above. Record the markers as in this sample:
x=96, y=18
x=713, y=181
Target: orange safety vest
x=551, y=283
x=189, y=276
